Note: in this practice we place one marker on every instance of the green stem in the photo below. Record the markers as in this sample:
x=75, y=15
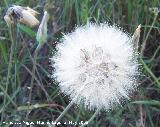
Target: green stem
x=6, y=94
x=12, y=32
x=144, y=42
x=33, y=76
x=33, y=71
x=63, y=113
x=91, y=119
x=10, y=58
x=67, y=108
x=150, y=73
x=35, y=106
x=6, y=3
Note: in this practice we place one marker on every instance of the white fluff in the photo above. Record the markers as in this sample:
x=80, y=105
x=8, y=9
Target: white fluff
x=96, y=65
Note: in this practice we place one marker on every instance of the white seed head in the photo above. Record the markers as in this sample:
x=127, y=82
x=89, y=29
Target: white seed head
x=96, y=65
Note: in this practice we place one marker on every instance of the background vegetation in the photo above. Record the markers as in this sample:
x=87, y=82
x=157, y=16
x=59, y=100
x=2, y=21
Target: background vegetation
x=46, y=101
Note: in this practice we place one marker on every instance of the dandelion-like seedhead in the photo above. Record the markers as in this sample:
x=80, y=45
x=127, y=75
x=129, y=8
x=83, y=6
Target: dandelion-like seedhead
x=96, y=65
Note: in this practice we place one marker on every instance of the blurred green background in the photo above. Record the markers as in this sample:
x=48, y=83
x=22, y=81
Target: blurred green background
x=47, y=102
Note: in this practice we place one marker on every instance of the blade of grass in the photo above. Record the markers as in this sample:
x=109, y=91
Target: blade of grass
x=150, y=73
x=147, y=102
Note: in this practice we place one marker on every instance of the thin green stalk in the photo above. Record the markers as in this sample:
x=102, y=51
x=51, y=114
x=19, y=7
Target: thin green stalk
x=9, y=98
x=67, y=108
x=144, y=42
x=33, y=71
x=91, y=119
x=150, y=73
x=35, y=106
x=36, y=79
x=13, y=40
x=6, y=3
x=64, y=112
x=10, y=57
x=33, y=76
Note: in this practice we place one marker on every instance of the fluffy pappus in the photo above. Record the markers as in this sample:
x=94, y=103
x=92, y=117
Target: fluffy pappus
x=96, y=65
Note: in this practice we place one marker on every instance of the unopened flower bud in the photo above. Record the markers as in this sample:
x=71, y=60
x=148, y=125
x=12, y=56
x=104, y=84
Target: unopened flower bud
x=42, y=30
x=136, y=36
